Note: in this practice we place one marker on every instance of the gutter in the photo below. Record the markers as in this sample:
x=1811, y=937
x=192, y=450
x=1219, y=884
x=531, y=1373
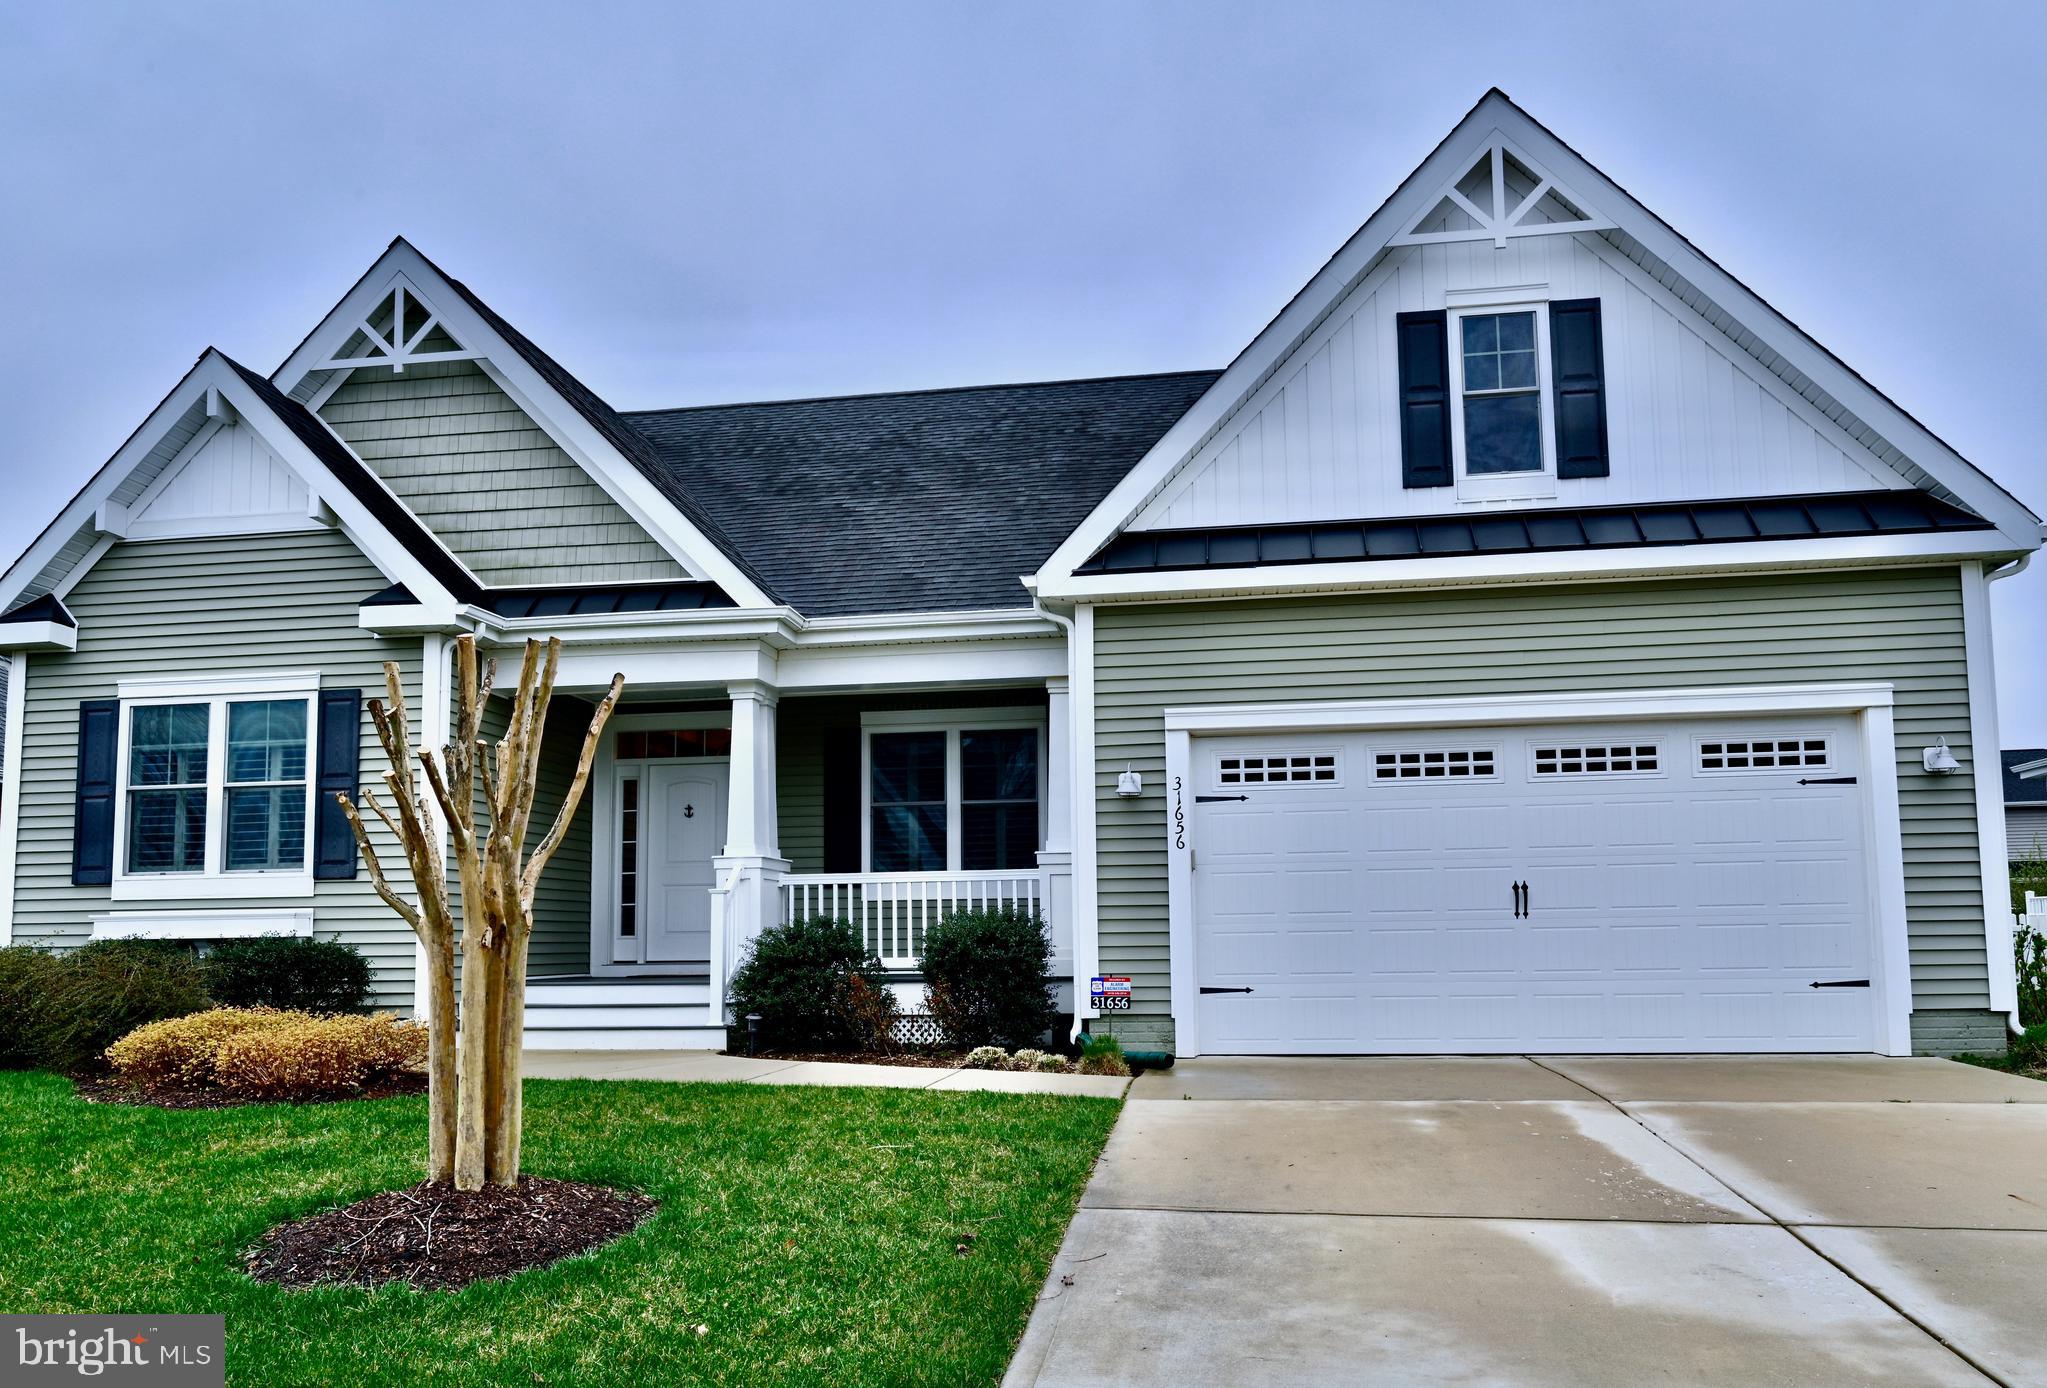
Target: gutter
x=1990, y=576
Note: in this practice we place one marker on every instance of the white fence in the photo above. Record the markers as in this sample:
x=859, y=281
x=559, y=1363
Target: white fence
x=894, y=909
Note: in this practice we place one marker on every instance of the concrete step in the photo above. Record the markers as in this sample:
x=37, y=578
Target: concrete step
x=548, y=1016
x=623, y=993
x=692, y=1038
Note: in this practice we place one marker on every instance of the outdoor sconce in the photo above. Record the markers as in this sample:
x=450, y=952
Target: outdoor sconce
x=1938, y=760
x=1129, y=783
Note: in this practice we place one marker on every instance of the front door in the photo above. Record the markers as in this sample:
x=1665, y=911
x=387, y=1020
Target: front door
x=685, y=826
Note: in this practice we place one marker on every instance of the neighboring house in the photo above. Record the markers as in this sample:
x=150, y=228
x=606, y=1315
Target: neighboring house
x=1530, y=642
x=2025, y=802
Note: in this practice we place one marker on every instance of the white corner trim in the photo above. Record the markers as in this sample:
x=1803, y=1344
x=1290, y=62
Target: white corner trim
x=1883, y=831
x=236, y=924
x=1087, y=938
x=1986, y=767
x=10, y=790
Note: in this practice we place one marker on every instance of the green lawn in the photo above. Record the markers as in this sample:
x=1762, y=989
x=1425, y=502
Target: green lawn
x=813, y=1231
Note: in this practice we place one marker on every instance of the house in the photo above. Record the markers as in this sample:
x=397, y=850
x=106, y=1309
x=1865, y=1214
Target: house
x=1531, y=641
x=2025, y=802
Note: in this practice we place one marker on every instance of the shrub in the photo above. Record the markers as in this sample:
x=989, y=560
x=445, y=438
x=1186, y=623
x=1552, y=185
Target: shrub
x=312, y=1056
x=2029, y=953
x=869, y=1010
x=2028, y=1051
x=797, y=976
x=985, y=971
x=181, y=1050
x=28, y=976
x=987, y=1058
x=102, y=991
x=1026, y=1059
x=289, y=972
x=1102, y=1055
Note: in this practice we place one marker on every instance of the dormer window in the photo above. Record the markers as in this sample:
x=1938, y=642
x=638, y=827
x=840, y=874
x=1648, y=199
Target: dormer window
x=1502, y=394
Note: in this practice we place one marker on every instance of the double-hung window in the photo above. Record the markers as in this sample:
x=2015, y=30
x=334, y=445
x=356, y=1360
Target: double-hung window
x=954, y=792
x=215, y=787
x=1500, y=420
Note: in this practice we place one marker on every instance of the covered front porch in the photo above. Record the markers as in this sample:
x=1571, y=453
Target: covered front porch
x=711, y=814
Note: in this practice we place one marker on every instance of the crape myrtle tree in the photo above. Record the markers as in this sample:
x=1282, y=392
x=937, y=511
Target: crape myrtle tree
x=474, y=1089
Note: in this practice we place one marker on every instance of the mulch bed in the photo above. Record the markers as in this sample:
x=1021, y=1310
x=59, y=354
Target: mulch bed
x=435, y=1237
x=935, y=1060
x=111, y=1089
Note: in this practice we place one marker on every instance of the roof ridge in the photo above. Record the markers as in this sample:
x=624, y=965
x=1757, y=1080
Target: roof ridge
x=926, y=390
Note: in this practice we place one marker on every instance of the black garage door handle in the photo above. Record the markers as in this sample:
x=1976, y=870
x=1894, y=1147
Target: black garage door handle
x=1844, y=983
x=1225, y=990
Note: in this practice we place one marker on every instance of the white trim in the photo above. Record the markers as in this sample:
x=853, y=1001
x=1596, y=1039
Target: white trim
x=1497, y=118
x=952, y=722
x=37, y=636
x=1882, y=829
x=1087, y=940
x=215, y=880
x=1555, y=566
x=199, y=925
x=10, y=789
x=436, y=715
x=1987, y=768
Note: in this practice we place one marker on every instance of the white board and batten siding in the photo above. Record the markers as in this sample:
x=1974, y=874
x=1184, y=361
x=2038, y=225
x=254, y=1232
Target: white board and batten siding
x=191, y=608
x=1689, y=415
x=232, y=482
x=484, y=476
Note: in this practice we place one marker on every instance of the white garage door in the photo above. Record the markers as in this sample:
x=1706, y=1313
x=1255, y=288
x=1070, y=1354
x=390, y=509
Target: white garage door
x=1620, y=887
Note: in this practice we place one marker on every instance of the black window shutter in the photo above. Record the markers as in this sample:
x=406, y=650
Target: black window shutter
x=1579, y=370
x=842, y=800
x=92, y=827
x=340, y=743
x=1424, y=399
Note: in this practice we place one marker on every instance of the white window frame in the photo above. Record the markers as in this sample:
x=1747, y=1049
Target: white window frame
x=214, y=881
x=1484, y=303
x=951, y=722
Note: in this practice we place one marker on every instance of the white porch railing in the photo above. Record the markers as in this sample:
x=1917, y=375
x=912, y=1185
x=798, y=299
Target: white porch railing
x=894, y=909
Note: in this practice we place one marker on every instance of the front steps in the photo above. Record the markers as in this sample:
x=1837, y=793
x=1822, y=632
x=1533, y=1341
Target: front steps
x=621, y=1014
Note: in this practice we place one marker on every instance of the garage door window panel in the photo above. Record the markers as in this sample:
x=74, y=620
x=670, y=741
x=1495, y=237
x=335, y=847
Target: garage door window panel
x=1781, y=753
x=1435, y=764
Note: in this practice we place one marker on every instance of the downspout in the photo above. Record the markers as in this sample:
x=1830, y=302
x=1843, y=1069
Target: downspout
x=1990, y=576
x=1074, y=782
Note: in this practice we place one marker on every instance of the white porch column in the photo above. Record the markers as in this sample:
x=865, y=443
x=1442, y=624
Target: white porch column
x=1057, y=856
x=752, y=867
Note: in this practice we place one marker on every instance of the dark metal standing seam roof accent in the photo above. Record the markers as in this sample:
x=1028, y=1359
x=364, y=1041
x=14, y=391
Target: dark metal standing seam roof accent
x=917, y=501
x=1524, y=532
x=2016, y=790
x=47, y=608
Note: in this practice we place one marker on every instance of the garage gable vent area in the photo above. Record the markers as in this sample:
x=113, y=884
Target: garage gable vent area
x=1762, y=754
x=1275, y=768
x=1434, y=764
x=1594, y=761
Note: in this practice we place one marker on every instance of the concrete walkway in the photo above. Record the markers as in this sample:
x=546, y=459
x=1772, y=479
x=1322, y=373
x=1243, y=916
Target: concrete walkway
x=1539, y=1221
x=712, y=1065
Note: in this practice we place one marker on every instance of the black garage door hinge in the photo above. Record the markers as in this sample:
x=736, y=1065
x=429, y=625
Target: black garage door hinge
x=1225, y=990
x=1844, y=983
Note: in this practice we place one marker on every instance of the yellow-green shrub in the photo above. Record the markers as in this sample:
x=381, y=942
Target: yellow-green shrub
x=317, y=1055
x=181, y=1050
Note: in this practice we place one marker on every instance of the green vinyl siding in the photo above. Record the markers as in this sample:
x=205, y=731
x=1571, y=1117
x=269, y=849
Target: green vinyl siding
x=486, y=478
x=1903, y=626
x=561, y=902
x=190, y=609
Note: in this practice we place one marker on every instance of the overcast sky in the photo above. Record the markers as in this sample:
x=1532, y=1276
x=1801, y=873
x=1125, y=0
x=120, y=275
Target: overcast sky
x=715, y=202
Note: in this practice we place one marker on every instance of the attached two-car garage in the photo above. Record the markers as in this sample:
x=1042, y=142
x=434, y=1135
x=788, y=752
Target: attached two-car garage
x=1630, y=884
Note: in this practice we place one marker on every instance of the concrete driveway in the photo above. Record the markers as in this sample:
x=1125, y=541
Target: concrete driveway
x=1554, y=1220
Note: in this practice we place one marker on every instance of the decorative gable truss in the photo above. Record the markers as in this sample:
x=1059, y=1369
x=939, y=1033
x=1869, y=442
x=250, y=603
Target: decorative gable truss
x=401, y=330
x=1706, y=394
x=1501, y=196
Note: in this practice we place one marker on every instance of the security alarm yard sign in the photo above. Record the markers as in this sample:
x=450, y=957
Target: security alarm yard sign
x=1109, y=993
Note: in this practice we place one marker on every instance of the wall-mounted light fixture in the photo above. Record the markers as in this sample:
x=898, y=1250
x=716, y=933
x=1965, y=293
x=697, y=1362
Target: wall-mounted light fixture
x=1129, y=783
x=1938, y=760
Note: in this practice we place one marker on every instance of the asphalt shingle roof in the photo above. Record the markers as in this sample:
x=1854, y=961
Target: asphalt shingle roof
x=920, y=501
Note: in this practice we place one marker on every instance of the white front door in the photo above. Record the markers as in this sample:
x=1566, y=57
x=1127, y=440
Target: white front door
x=685, y=827
x=1673, y=886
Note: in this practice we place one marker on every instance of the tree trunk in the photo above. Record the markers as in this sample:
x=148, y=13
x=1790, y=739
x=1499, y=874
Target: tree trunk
x=440, y=1059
